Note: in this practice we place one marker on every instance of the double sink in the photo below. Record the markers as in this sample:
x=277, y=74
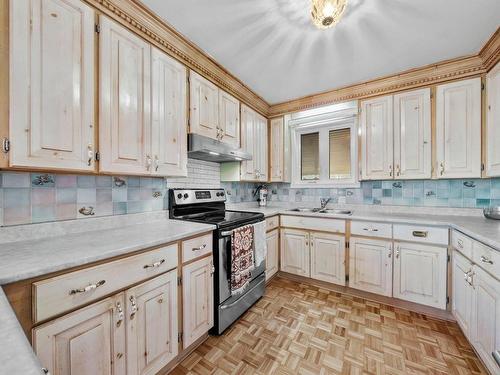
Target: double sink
x=335, y=211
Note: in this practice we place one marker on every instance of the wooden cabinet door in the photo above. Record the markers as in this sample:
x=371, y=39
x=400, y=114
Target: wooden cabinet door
x=462, y=292
x=88, y=341
x=198, y=299
x=229, y=119
x=52, y=84
x=204, y=106
x=151, y=310
x=420, y=273
x=328, y=257
x=260, y=147
x=412, y=134
x=276, y=151
x=294, y=252
x=486, y=317
x=370, y=265
x=272, y=257
x=458, y=129
x=377, y=138
x=168, y=109
x=493, y=122
x=124, y=113
x=248, y=168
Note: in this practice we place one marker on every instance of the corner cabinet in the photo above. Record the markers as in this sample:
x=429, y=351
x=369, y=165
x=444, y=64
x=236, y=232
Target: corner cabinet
x=253, y=141
x=458, y=129
x=204, y=106
x=493, y=122
x=125, y=108
x=52, y=120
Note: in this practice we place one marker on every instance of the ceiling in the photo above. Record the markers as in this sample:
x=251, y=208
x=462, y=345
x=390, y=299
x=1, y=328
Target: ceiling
x=272, y=46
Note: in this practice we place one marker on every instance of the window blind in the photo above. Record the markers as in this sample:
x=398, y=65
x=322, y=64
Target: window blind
x=309, y=144
x=340, y=153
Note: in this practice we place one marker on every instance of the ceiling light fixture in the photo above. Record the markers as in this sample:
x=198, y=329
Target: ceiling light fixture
x=326, y=13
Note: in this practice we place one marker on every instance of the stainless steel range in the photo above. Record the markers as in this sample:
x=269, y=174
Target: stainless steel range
x=208, y=206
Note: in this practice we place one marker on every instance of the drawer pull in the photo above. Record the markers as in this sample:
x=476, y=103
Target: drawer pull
x=133, y=308
x=486, y=260
x=460, y=243
x=155, y=264
x=88, y=288
x=371, y=229
x=199, y=248
x=120, y=314
x=420, y=233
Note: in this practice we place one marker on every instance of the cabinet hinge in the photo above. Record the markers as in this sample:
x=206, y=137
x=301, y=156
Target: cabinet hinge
x=346, y=278
x=482, y=166
x=180, y=336
x=97, y=156
x=449, y=258
x=6, y=145
x=97, y=28
x=179, y=280
x=347, y=244
x=482, y=86
x=447, y=300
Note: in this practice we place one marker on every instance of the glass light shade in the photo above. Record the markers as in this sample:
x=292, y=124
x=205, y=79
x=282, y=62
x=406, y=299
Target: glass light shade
x=326, y=13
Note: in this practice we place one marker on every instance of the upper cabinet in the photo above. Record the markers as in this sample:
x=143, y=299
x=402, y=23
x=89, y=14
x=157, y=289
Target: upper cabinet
x=125, y=86
x=412, y=134
x=493, y=122
x=229, y=119
x=254, y=141
x=52, y=85
x=396, y=136
x=458, y=129
x=169, y=120
x=377, y=139
x=204, y=106
x=276, y=150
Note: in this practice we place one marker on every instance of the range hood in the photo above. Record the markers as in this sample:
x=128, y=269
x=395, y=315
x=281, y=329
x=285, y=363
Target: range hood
x=208, y=149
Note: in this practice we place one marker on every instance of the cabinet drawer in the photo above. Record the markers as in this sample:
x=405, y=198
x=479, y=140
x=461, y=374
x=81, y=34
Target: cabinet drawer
x=196, y=247
x=462, y=243
x=371, y=229
x=272, y=223
x=418, y=233
x=313, y=223
x=486, y=258
x=66, y=292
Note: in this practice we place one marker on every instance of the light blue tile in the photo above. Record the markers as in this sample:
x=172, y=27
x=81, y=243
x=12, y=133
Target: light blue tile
x=104, y=195
x=66, y=195
x=134, y=194
x=386, y=193
x=469, y=202
x=418, y=189
x=481, y=203
x=157, y=183
x=86, y=181
x=103, y=181
x=16, y=180
x=16, y=197
x=454, y=202
x=387, y=184
x=397, y=193
x=495, y=183
x=469, y=192
x=377, y=184
x=495, y=193
x=86, y=195
x=119, y=194
x=41, y=214
x=146, y=182
x=119, y=208
x=443, y=184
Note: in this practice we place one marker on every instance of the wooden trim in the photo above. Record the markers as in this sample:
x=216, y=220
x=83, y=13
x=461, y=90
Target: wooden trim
x=490, y=53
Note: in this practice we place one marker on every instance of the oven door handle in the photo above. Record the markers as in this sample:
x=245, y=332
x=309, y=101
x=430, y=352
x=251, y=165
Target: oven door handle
x=226, y=233
x=223, y=307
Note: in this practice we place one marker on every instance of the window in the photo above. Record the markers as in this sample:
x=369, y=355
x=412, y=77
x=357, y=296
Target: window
x=324, y=150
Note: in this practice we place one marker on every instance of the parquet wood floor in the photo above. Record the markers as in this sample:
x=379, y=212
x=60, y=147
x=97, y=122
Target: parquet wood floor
x=302, y=329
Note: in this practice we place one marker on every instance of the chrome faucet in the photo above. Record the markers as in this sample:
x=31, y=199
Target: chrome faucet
x=323, y=202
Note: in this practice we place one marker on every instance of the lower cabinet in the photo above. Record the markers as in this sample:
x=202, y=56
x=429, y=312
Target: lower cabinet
x=272, y=257
x=485, y=330
x=370, y=265
x=420, y=273
x=295, y=252
x=461, y=301
x=328, y=257
x=133, y=332
x=198, y=299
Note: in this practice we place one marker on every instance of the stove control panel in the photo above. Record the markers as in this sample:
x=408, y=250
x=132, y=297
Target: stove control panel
x=185, y=196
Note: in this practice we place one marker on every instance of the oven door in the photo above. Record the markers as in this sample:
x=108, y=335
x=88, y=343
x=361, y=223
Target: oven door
x=223, y=266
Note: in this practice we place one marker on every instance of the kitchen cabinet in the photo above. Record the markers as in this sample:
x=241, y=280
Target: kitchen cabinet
x=168, y=112
x=204, y=106
x=420, y=273
x=151, y=325
x=253, y=141
x=276, y=150
x=458, y=129
x=229, y=119
x=124, y=111
x=272, y=257
x=327, y=257
x=294, y=252
x=462, y=290
x=412, y=134
x=198, y=299
x=377, y=138
x=88, y=341
x=493, y=122
x=370, y=265
x=486, y=316
x=52, y=85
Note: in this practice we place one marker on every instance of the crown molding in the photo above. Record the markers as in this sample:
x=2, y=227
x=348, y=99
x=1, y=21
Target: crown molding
x=140, y=19
x=490, y=53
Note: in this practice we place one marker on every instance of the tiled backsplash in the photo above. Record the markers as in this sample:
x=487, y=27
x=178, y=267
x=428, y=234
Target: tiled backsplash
x=201, y=174
x=474, y=193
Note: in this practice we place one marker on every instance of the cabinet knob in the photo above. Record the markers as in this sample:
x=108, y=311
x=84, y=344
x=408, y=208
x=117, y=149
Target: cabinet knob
x=88, y=288
x=120, y=314
x=486, y=260
x=133, y=308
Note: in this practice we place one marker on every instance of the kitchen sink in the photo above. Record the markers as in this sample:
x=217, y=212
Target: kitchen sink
x=303, y=209
x=330, y=211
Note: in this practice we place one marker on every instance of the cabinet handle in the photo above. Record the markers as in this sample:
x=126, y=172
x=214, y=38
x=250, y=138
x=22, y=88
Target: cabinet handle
x=390, y=170
x=87, y=288
x=199, y=248
x=157, y=163
x=133, y=308
x=45, y=371
x=390, y=253
x=370, y=229
x=155, y=264
x=397, y=252
x=149, y=161
x=442, y=168
x=90, y=154
x=120, y=314
x=420, y=233
x=460, y=243
x=212, y=270
x=486, y=260
x=398, y=170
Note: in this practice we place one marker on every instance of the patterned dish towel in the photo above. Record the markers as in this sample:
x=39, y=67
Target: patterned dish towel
x=260, y=242
x=242, y=258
